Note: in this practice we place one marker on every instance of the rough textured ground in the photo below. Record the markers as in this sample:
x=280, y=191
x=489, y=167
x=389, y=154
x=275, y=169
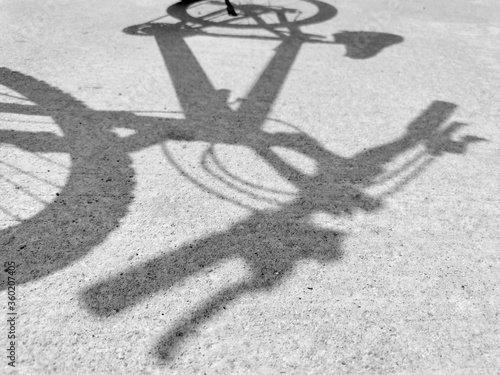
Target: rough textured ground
x=205, y=196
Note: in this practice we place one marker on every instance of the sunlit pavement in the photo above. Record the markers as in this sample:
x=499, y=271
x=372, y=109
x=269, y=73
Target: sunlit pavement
x=306, y=188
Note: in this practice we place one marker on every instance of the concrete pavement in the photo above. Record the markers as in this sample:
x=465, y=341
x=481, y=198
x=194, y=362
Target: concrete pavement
x=309, y=187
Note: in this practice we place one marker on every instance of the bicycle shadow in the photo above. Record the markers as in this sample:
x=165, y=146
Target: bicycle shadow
x=99, y=188
x=270, y=242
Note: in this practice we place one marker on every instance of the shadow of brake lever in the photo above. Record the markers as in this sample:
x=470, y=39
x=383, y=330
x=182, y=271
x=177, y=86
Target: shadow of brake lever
x=442, y=142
